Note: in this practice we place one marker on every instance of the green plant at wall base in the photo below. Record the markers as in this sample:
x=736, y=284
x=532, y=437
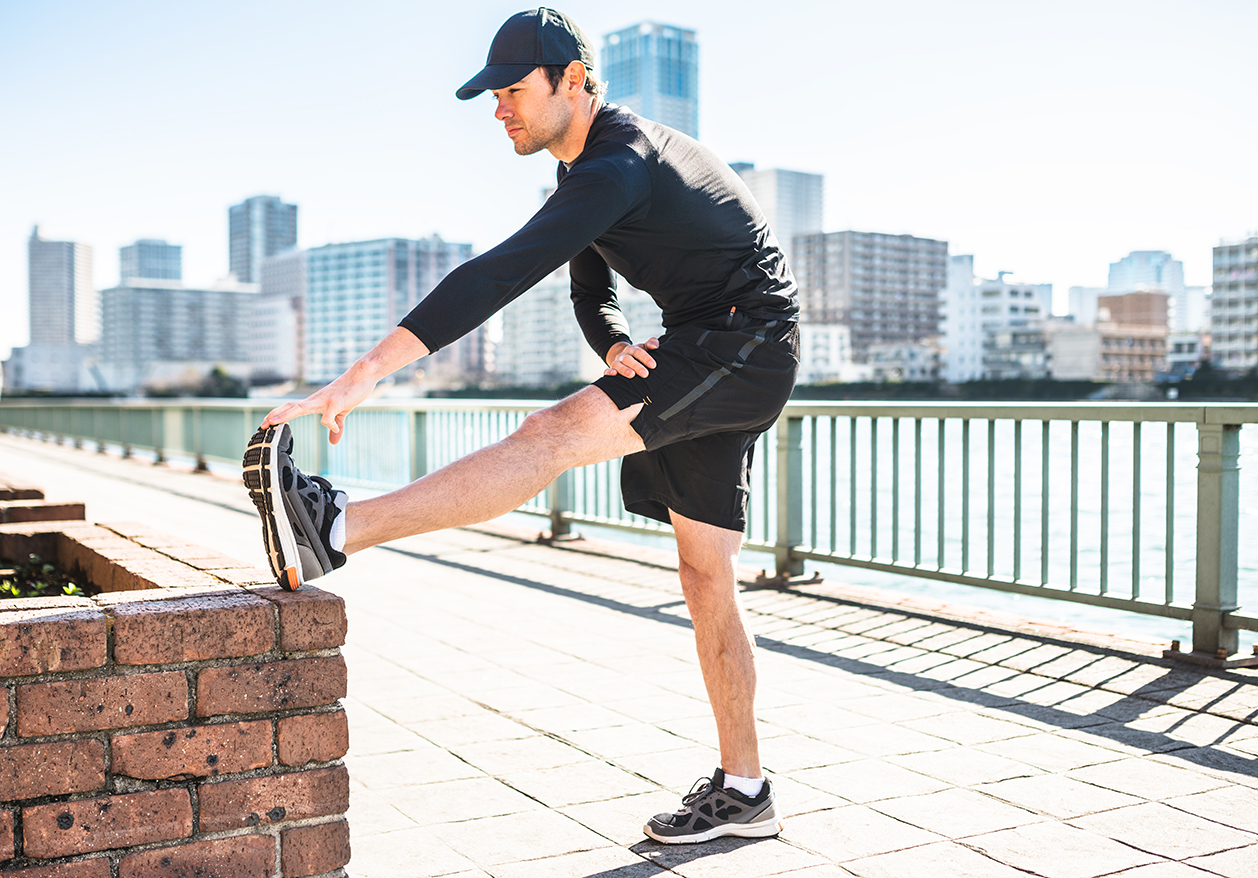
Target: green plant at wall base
x=36, y=579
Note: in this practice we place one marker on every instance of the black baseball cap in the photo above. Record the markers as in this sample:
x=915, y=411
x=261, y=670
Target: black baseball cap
x=528, y=40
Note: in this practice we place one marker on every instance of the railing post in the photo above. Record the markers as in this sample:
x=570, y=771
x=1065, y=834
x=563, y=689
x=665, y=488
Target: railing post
x=790, y=497
x=419, y=445
x=557, y=497
x=1218, y=504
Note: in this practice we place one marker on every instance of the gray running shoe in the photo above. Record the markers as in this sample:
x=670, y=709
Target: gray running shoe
x=710, y=811
x=297, y=510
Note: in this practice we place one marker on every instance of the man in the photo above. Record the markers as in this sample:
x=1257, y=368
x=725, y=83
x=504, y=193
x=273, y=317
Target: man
x=684, y=411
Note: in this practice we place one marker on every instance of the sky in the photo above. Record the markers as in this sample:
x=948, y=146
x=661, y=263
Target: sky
x=1045, y=138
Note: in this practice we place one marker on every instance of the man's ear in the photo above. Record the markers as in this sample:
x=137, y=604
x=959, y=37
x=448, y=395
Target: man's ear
x=574, y=76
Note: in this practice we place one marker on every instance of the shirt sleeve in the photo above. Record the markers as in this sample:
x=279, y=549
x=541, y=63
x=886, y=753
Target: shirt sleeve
x=590, y=199
x=595, y=304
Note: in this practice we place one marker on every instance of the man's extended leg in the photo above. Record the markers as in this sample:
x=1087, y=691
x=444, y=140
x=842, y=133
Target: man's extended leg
x=581, y=429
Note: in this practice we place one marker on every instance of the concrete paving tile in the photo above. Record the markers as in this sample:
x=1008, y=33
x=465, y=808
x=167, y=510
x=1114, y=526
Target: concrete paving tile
x=1159, y=829
x=818, y=719
x=423, y=852
x=1163, y=870
x=956, y=813
x=1050, y=752
x=1197, y=729
x=518, y=754
x=955, y=671
x=895, y=707
x=597, y=689
x=1057, y=850
x=478, y=728
x=1231, y=767
x=577, y=717
x=658, y=708
x=513, y=838
x=1051, y=719
x=452, y=801
x=789, y=753
x=942, y=858
x=611, y=861
x=1147, y=778
x=1057, y=796
x=794, y=798
x=724, y=857
x=378, y=738
x=621, y=819
x=626, y=740
x=404, y=710
x=869, y=780
x=1232, y=806
x=675, y=769
x=590, y=781
x=423, y=764
x=1237, y=863
x=1126, y=740
x=374, y=813
x=826, y=871
x=968, y=728
x=529, y=696
x=963, y=766
x=886, y=740
x=852, y=832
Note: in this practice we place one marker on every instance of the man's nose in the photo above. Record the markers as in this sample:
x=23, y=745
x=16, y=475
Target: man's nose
x=501, y=112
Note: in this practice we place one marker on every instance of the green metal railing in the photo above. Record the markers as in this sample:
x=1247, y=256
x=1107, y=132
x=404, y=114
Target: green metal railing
x=1117, y=512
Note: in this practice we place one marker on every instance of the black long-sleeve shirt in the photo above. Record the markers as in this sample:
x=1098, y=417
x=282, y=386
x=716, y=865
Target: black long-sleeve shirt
x=647, y=202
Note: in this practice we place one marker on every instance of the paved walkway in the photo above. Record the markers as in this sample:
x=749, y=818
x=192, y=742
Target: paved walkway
x=518, y=710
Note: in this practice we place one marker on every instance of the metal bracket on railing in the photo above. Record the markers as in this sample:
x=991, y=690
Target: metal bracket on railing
x=546, y=538
x=781, y=580
x=1220, y=659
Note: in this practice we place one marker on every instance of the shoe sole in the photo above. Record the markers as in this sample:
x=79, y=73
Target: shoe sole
x=262, y=478
x=762, y=829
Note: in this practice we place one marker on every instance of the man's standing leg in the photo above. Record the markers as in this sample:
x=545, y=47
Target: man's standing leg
x=707, y=560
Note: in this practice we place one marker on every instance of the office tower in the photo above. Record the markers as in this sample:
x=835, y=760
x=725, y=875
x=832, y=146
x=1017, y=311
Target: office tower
x=1146, y=269
x=259, y=227
x=62, y=297
x=793, y=201
x=357, y=292
x=159, y=332
x=885, y=287
x=1233, y=324
x=275, y=330
x=152, y=259
x=653, y=69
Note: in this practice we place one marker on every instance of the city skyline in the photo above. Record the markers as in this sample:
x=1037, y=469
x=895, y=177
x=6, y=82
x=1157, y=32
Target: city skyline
x=1050, y=142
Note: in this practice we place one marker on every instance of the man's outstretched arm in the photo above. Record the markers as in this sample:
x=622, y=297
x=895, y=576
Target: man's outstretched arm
x=336, y=400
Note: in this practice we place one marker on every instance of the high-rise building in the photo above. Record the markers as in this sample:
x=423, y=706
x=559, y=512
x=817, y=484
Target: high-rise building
x=62, y=296
x=1234, y=305
x=357, y=292
x=259, y=227
x=653, y=69
x=993, y=328
x=885, y=287
x=1146, y=269
x=792, y=201
x=275, y=329
x=156, y=260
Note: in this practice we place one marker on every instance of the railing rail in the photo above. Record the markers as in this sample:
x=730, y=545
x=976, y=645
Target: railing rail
x=849, y=483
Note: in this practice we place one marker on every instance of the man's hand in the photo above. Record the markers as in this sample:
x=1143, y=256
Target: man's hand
x=631, y=360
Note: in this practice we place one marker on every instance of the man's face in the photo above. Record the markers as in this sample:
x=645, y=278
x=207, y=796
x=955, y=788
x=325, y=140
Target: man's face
x=534, y=116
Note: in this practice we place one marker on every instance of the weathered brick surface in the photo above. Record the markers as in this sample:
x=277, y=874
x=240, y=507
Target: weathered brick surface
x=17, y=541
x=51, y=769
x=314, y=850
x=244, y=856
x=314, y=737
x=200, y=751
x=245, y=576
x=4, y=710
x=200, y=557
x=40, y=510
x=257, y=801
x=309, y=619
x=7, y=848
x=62, y=829
x=39, y=641
x=94, y=868
x=192, y=629
x=283, y=685
x=101, y=703
x=13, y=488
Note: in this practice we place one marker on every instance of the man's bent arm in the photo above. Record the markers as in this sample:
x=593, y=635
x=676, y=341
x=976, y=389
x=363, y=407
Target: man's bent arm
x=336, y=400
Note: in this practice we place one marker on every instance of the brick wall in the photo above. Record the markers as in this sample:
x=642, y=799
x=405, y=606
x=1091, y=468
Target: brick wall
x=22, y=502
x=185, y=722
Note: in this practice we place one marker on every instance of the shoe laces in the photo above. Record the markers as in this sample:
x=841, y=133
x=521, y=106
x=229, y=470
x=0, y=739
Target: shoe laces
x=702, y=787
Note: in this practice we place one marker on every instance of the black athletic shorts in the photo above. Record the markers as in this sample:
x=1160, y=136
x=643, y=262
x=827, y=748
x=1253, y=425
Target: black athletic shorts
x=714, y=389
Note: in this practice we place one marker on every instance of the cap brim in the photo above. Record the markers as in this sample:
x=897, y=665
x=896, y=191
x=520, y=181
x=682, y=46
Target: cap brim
x=494, y=76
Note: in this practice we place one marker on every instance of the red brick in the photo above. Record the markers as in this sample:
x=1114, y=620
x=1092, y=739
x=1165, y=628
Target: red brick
x=101, y=703
x=156, y=571
x=4, y=710
x=62, y=829
x=7, y=849
x=309, y=619
x=314, y=850
x=39, y=641
x=192, y=629
x=39, y=510
x=245, y=576
x=283, y=685
x=17, y=541
x=12, y=488
x=201, y=557
x=243, y=856
x=142, y=534
x=236, y=804
x=31, y=770
x=202, y=751
x=314, y=737
x=94, y=868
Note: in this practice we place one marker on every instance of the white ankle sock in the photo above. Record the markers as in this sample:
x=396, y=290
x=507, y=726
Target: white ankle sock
x=748, y=786
x=337, y=535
